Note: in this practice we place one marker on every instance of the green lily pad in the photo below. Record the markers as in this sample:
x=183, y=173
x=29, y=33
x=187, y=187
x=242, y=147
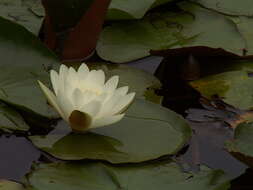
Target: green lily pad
x=233, y=87
x=24, y=60
x=10, y=185
x=230, y=7
x=241, y=146
x=36, y=7
x=131, y=9
x=244, y=25
x=19, y=12
x=94, y=176
x=10, y=120
x=130, y=40
x=148, y=131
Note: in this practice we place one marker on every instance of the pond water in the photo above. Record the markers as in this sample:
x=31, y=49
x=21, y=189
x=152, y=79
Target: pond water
x=17, y=155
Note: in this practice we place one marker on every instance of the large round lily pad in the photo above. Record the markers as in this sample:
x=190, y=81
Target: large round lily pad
x=24, y=60
x=147, y=132
x=98, y=176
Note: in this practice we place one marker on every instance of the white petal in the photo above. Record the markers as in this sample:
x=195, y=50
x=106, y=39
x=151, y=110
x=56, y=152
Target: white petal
x=106, y=120
x=96, y=77
x=122, y=90
x=68, y=89
x=82, y=72
x=111, y=84
x=123, y=103
x=108, y=105
x=63, y=73
x=63, y=70
x=77, y=98
x=51, y=98
x=72, y=77
x=65, y=104
x=101, y=77
x=92, y=108
x=102, y=97
x=88, y=96
x=54, y=80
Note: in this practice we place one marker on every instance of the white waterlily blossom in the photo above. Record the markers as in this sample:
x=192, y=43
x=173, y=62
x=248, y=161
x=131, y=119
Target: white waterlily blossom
x=87, y=92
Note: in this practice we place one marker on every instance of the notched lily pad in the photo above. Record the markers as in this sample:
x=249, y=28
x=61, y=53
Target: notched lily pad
x=147, y=132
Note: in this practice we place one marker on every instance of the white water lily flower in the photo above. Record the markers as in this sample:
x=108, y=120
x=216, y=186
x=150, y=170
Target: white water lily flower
x=84, y=99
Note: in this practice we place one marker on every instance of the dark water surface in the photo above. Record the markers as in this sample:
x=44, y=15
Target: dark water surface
x=16, y=157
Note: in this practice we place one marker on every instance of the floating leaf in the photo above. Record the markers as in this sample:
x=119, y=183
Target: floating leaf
x=24, y=60
x=244, y=25
x=94, y=176
x=130, y=40
x=10, y=120
x=234, y=87
x=36, y=7
x=241, y=146
x=10, y=185
x=131, y=9
x=19, y=12
x=148, y=131
x=230, y=7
